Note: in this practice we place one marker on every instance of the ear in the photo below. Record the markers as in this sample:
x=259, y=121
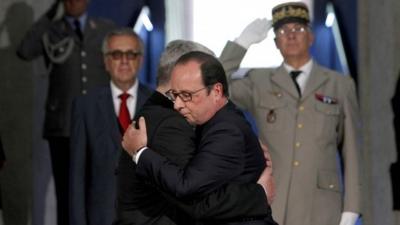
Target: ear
x=141, y=60
x=310, y=38
x=218, y=89
x=105, y=60
x=276, y=43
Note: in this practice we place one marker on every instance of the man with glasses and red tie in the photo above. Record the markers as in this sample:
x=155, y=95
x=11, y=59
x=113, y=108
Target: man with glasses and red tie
x=99, y=120
x=307, y=115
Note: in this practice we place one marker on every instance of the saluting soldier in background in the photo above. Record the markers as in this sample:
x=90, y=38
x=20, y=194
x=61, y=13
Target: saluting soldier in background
x=71, y=46
x=307, y=115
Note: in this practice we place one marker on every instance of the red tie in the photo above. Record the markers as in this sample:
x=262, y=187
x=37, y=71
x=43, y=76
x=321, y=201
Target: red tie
x=123, y=116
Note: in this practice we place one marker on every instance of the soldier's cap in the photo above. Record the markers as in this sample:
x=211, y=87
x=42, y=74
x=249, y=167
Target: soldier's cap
x=290, y=12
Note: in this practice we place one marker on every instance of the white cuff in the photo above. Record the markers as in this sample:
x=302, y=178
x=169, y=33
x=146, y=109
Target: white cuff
x=349, y=218
x=265, y=189
x=136, y=156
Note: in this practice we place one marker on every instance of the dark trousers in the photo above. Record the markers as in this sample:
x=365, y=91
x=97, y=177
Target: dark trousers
x=59, y=152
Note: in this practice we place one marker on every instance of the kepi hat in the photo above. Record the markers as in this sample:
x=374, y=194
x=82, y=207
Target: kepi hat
x=290, y=12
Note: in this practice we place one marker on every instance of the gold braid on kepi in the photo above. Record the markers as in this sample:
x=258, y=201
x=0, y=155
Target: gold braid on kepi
x=290, y=12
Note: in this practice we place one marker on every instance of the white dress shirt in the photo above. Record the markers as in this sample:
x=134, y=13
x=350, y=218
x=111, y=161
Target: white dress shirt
x=303, y=76
x=130, y=102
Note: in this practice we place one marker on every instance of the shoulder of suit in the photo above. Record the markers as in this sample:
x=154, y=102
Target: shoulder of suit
x=261, y=72
x=145, y=89
x=159, y=115
x=98, y=22
x=345, y=82
x=335, y=75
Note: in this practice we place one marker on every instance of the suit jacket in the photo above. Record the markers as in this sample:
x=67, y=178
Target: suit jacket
x=2, y=155
x=220, y=163
x=95, y=149
x=82, y=68
x=303, y=136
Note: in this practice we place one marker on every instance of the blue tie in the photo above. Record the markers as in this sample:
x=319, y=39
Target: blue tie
x=78, y=29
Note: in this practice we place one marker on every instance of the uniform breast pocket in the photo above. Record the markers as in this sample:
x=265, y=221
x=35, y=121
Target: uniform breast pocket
x=326, y=119
x=272, y=114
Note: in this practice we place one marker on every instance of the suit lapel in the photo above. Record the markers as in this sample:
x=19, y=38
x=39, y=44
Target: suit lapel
x=106, y=106
x=316, y=79
x=283, y=80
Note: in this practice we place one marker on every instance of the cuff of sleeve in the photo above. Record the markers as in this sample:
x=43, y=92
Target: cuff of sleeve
x=349, y=218
x=242, y=42
x=136, y=156
x=265, y=189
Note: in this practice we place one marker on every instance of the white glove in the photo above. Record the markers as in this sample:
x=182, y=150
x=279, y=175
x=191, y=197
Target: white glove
x=349, y=218
x=255, y=32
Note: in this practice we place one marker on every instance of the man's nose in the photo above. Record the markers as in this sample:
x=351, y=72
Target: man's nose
x=291, y=34
x=124, y=58
x=178, y=104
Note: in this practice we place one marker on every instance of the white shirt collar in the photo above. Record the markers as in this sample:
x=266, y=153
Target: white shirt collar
x=116, y=91
x=306, y=68
x=304, y=75
x=82, y=20
x=131, y=101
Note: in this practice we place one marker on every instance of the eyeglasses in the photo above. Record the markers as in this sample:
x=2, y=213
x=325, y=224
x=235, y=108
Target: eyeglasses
x=185, y=96
x=118, y=54
x=287, y=31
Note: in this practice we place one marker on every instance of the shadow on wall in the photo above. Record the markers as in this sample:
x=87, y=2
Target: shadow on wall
x=16, y=118
x=395, y=167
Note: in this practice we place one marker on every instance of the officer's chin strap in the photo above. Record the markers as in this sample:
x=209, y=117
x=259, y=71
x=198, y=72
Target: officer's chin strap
x=66, y=43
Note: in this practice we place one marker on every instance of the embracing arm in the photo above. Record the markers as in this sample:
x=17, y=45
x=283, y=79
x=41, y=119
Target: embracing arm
x=218, y=159
x=228, y=202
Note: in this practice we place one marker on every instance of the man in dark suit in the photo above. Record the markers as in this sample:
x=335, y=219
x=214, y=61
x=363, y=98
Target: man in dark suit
x=97, y=129
x=71, y=46
x=140, y=203
x=227, y=148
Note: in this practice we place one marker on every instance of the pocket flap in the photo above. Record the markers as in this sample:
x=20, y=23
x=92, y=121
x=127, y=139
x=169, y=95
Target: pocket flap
x=328, y=180
x=328, y=109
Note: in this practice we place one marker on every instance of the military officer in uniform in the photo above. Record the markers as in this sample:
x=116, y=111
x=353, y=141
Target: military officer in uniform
x=71, y=46
x=307, y=115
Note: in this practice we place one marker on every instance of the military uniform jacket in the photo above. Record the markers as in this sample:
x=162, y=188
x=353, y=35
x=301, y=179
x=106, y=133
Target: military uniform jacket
x=75, y=65
x=304, y=136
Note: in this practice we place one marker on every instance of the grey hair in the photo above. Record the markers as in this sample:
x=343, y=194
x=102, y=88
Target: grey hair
x=121, y=32
x=173, y=51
